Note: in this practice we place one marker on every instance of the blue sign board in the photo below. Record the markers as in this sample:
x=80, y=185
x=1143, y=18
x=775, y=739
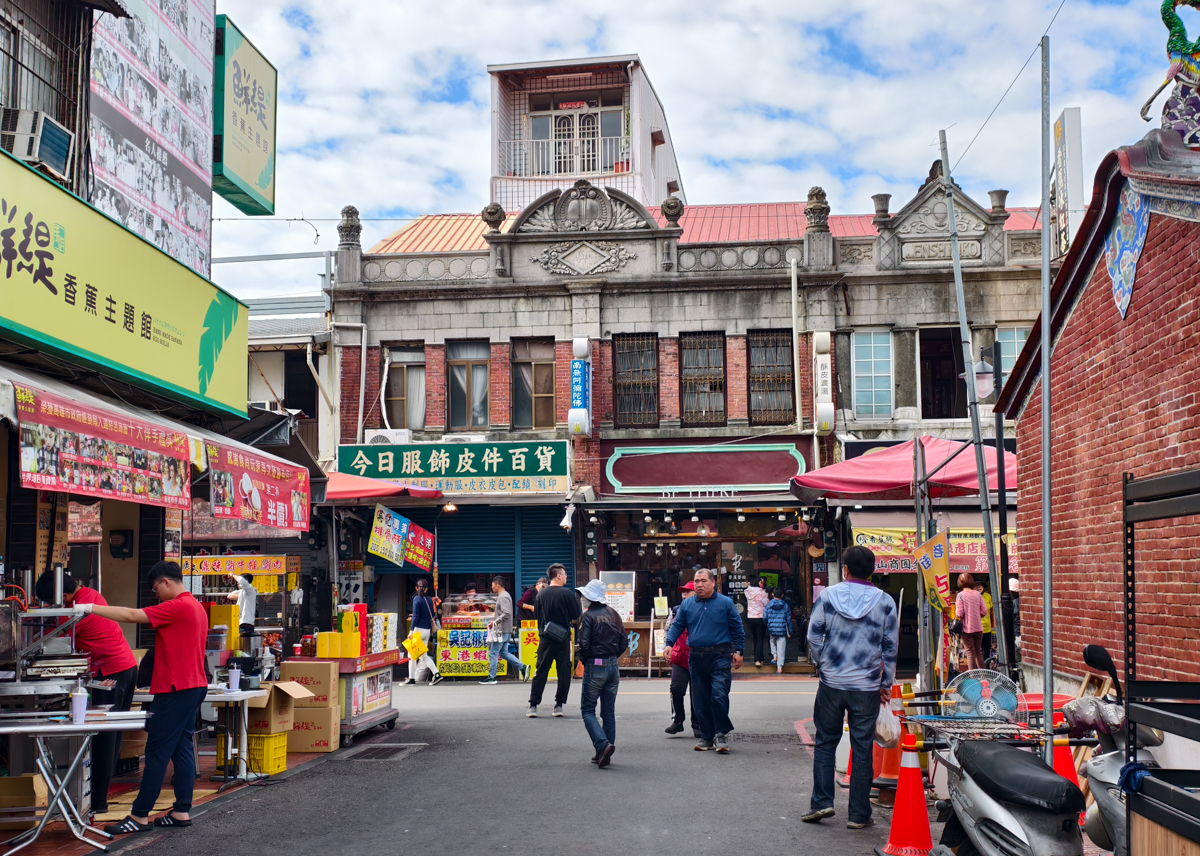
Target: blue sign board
x=581, y=385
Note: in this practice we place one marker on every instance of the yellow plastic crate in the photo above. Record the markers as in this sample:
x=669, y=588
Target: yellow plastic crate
x=268, y=753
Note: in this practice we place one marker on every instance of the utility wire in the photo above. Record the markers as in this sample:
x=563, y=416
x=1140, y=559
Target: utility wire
x=1006, y=91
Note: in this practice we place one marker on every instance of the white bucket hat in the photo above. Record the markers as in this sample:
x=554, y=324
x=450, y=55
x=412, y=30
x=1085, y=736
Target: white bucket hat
x=593, y=591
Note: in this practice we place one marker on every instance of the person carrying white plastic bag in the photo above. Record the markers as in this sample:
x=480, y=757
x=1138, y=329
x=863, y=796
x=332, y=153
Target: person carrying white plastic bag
x=887, y=728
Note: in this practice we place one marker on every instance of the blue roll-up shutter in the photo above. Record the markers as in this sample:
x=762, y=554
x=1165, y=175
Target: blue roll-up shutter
x=476, y=539
x=543, y=542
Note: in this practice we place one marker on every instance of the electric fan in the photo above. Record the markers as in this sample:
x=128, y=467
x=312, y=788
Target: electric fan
x=984, y=694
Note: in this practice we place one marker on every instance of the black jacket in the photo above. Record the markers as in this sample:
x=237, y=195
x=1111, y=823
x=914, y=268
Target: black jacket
x=601, y=633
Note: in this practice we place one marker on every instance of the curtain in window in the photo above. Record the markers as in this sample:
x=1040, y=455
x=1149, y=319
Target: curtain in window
x=479, y=396
x=468, y=351
x=522, y=395
x=415, y=378
x=458, y=396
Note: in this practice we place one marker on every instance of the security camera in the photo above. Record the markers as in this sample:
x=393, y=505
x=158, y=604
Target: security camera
x=568, y=518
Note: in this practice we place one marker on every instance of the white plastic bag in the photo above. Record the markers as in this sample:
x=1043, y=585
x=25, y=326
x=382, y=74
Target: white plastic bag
x=887, y=728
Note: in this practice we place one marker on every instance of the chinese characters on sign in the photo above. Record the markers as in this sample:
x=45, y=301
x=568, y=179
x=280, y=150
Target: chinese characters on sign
x=388, y=532
x=895, y=550
x=249, y=487
x=234, y=565
x=69, y=447
x=244, y=171
x=464, y=654
x=511, y=467
x=418, y=547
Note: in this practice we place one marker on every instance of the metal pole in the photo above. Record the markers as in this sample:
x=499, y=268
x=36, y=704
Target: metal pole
x=964, y=329
x=999, y=625
x=1047, y=588
x=796, y=363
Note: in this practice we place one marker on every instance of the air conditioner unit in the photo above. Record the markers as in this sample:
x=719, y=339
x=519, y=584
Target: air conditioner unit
x=387, y=436
x=464, y=438
x=34, y=137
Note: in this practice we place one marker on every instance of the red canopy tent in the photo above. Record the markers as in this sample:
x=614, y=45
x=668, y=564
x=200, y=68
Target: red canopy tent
x=889, y=473
x=346, y=486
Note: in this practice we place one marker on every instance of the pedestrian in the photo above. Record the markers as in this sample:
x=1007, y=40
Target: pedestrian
x=987, y=638
x=602, y=641
x=557, y=610
x=525, y=603
x=179, y=686
x=852, y=638
x=716, y=638
x=499, y=633
x=970, y=609
x=778, y=616
x=422, y=621
x=679, y=673
x=246, y=597
x=109, y=658
x=756, y=627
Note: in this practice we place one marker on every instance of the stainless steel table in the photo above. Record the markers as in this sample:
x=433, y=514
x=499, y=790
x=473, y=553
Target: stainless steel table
x=44, y=726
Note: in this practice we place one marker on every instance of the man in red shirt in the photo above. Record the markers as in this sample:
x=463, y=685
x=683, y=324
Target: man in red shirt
x=111, y=659
x=179, y=686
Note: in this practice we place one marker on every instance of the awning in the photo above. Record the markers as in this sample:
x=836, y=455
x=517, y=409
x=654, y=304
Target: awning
x=888, y=473
x=77, y=442
x=346, y=487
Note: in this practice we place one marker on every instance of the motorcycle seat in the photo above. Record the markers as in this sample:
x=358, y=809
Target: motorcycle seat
x=1017, y=776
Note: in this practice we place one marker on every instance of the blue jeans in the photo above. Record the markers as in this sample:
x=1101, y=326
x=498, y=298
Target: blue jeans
x=711, y=673
x=169, y=738
x=831, y=706
x=496, y=650
x=600, y=684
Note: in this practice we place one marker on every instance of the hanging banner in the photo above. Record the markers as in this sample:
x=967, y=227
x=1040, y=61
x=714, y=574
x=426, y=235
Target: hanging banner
x=69, y=447
x=388, y=533
x=234, y=565
x=418, y=547
x=264, y=491
x=84, y=525
x=244, y=128
x=173, y=534
x=933, y=558
x=895, y=550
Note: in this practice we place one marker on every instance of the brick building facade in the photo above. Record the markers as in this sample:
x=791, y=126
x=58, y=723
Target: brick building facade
x=1122, y=401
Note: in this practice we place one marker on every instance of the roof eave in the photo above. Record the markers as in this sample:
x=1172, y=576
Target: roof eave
x=585, y=62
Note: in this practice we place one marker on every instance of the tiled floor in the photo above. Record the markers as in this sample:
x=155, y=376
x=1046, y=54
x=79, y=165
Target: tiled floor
x=58, y=840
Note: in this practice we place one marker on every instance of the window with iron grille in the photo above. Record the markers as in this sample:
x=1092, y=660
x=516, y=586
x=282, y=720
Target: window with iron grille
x=533, y=384
x=635, y=380
x=771, y=377
x=701, y=379
x=467, y=367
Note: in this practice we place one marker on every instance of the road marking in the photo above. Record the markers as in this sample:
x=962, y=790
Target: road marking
x=802, y=730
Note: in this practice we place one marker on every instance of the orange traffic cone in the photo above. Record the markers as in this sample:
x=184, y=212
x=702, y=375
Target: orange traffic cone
x=910, y=834
x=1064, y=764
x=844, y=782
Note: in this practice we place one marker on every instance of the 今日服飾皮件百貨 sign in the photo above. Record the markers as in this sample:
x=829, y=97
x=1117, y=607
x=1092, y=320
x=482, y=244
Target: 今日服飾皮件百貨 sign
x=508, y=467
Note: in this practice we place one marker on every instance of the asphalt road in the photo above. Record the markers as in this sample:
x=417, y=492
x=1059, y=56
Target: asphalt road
x=481, y=778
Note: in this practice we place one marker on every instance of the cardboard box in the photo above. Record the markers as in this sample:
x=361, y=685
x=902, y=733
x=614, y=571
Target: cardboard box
x=133, y=744
x=321, y=679
x=316, y=729
x=272, y=714
x=329, y=644
x=22, y=792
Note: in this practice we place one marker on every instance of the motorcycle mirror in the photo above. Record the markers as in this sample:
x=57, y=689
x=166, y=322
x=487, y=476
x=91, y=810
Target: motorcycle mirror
x=1098, y=658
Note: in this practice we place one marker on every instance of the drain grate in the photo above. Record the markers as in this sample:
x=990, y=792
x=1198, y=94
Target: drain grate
x=379, y=753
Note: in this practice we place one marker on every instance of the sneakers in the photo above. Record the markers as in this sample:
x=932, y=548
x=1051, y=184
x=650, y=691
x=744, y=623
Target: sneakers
x=758, y=664
x=408, y=683
x=606, y=755
x=532, y=712
x=703, y=745
x=858, y=824
x=696, y=733
x=817, y=814
x=558, y=710
x=722, y=746
x=674, y=728
x=596, y=756
x=489, y=681
x=435, y=680
x=525, y=672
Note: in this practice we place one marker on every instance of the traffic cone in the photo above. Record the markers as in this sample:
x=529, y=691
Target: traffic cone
x=910, y=834
x=844, y=782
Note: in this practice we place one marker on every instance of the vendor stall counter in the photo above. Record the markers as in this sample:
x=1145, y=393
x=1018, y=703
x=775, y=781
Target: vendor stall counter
x=364, y=691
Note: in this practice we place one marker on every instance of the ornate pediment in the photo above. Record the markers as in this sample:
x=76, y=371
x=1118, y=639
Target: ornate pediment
x=932, y=218
x=583, y=208
x=579, y=258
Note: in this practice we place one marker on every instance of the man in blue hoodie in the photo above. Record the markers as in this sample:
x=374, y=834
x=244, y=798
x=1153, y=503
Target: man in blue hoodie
x=852, y=639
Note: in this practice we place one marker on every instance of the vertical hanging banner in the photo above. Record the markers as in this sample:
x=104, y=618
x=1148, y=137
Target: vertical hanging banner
x=173, y=534
x=261, y=490
x=579, y=417
x=388, y=533
x=418, y=547
x=244, y=130
x=69, y=447
x=823, y=411
x=933, y=558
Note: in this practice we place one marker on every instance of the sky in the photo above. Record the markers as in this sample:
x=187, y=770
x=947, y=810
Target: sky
x=385, y=105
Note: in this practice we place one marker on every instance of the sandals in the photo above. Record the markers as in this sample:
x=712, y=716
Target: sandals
x=170, y=820
x=126, y=827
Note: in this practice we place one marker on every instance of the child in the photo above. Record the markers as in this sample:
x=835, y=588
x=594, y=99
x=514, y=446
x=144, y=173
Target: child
x=778, y=616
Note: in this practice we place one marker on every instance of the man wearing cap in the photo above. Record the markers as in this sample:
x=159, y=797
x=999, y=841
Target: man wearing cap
x=716, y=638
x=679, y=672
x=602, y=641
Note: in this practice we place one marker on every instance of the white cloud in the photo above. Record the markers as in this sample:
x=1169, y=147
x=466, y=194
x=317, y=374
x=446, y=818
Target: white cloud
x=764, y=100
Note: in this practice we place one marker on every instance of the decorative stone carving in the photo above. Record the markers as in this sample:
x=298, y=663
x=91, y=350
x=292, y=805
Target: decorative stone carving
x=939, y=251
x=350, y=229
x=584, y=208
x=493, y=215
x=579, y=258
x=933, y=218
x=816, y=212
x=1026, y=248
x=855, y=254
x=881, y=201
x=672, y=209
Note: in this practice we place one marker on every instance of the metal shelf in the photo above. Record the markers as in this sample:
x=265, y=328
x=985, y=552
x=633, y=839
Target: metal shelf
x=1175, y=717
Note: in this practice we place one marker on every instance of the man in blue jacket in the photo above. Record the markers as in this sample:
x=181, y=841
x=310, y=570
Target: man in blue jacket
x=852, y=642
x=716, y=638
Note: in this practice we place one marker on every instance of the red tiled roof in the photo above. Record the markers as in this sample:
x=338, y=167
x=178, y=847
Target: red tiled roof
x=702, y=224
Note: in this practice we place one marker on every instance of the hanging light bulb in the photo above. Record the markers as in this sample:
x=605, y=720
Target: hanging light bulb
x=616, y=550
x=783, y=517
x=658, y=551
x=703, y=531
x=674, y=530
x=651, y=529
x=674, y=550
x=695, y=519
x=703, y=550
x=667, y=516
x=641, y=551
x=741, y=517
x=646, y=512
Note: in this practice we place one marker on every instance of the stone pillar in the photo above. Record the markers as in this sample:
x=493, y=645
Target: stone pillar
x=348, y=269
x=818, y=241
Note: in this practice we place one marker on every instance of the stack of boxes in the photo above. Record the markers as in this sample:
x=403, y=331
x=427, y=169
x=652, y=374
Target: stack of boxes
x=315, y=721
x=381, y=631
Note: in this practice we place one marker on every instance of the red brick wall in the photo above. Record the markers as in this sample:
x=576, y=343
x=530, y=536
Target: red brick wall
x=1123, y=401
x=602, y=380
x=736, y=389
x=563, y=354
x=435, y=387
x=668, y=379
x=350, y=359
x=500, y=385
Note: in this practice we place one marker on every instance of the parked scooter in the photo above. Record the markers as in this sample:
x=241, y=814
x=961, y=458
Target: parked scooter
x=1105, y=818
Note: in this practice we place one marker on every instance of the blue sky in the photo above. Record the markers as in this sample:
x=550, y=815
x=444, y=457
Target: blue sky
x=385, y=105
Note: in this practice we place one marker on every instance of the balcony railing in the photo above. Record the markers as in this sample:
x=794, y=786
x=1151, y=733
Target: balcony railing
x=543, y=158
